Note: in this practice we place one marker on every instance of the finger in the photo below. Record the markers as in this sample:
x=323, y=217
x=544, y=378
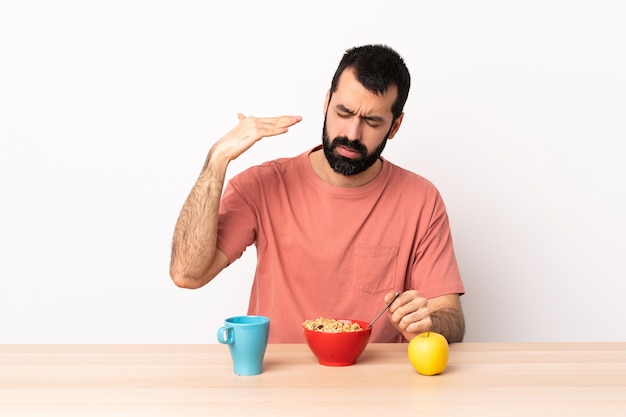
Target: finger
x=409, y=309
x=241, y=117
x=404, y=298
x=276, y=126
x=389, y=296
x=286, y=121
x=419, y=326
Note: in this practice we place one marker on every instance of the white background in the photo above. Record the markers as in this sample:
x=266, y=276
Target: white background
x=107, y=109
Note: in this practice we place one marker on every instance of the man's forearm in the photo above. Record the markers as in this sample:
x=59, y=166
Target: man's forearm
x=450, y=322
x=195, y=234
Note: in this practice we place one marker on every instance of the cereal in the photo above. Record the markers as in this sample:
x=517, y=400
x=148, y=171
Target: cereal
x=331, y=326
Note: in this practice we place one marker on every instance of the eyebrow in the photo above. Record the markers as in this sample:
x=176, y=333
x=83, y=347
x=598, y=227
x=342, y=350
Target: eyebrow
x=377, y=119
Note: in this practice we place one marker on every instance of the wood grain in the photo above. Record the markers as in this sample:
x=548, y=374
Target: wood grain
x=486, y=379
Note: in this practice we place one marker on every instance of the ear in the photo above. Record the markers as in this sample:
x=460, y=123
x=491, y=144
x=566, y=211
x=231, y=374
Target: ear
x=326, y=101
x=395, y=126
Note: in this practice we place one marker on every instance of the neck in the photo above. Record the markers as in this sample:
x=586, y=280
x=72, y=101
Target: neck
x=326, y=173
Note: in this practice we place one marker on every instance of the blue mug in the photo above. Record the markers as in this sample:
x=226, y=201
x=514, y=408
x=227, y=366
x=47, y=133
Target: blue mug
x=246, y=337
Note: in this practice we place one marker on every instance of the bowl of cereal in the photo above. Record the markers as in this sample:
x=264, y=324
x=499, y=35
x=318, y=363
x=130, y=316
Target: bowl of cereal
x=336, y=342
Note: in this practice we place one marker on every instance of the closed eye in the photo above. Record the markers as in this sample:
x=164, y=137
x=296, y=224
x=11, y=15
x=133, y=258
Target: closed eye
x=372, y=121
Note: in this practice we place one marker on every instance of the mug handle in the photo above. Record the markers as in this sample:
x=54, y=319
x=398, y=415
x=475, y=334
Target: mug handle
x=230, y=335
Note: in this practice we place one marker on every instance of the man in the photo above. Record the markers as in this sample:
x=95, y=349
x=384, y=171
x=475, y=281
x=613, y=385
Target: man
x=338, y=229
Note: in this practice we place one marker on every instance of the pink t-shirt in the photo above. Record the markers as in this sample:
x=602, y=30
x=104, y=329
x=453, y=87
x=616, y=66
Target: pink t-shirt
x=334, y=252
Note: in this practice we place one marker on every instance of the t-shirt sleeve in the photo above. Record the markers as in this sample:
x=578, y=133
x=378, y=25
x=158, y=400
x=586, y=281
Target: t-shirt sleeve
x=435, y=270
x=237, y=223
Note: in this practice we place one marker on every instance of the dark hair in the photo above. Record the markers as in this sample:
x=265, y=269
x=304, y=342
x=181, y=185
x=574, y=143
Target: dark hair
x=377, y=68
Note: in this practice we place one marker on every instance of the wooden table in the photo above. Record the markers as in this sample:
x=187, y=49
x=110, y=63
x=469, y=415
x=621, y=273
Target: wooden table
x=486, y=379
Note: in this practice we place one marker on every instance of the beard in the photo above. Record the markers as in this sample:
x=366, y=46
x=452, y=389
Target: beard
x=349, y=166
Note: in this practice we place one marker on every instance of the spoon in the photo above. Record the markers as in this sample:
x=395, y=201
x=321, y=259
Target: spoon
x=383, y=310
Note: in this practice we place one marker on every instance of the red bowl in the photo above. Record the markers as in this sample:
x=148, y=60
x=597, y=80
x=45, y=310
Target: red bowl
x=338, y=349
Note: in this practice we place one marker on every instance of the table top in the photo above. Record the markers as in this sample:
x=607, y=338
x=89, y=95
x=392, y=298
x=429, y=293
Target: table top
x=487, y=379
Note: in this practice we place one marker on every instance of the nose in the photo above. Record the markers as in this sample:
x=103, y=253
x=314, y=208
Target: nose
x=352, y=128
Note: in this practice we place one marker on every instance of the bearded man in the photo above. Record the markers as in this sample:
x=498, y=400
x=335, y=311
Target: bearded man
x=338, y=229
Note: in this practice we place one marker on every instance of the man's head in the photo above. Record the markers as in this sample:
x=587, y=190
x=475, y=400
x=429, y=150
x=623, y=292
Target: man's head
x=377, y=68
x=364, y=107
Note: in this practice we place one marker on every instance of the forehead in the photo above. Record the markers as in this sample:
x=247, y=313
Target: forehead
x=354, y=96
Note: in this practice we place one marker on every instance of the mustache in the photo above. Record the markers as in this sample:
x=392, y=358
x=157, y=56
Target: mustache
x=350, y=144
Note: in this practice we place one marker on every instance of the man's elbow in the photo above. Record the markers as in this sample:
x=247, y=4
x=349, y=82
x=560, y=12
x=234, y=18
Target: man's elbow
x=183, y=280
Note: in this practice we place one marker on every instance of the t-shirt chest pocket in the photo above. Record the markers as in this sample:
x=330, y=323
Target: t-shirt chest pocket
x=374, y=268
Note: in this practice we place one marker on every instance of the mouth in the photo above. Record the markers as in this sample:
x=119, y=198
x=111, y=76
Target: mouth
x=347, y=152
